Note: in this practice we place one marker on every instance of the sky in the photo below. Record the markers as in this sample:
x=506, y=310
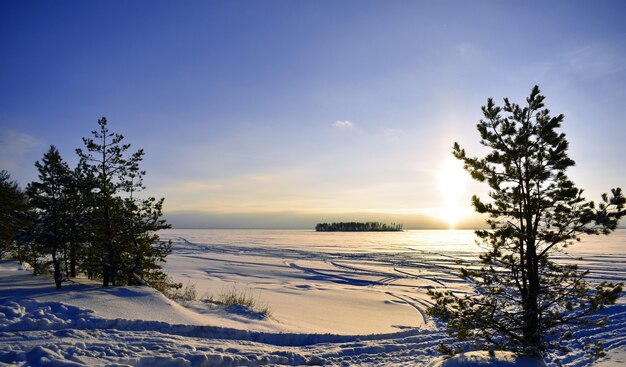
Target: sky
x=282, y=114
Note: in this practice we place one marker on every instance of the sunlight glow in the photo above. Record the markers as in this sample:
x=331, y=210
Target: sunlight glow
x=452, y=182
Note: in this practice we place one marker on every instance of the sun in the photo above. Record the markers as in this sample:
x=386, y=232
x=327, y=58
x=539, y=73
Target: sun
x=451, y=184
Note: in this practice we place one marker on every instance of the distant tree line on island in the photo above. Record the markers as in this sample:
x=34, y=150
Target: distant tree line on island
x=358, y=227
x=87, y=220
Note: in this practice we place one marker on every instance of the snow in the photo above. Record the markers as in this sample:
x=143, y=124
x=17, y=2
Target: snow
x=341, y=283
x=335, y=300
x=495, y=359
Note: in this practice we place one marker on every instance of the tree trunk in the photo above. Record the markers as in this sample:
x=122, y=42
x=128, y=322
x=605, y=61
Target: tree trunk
x=105, y=275
x=57, y=271
x=20, y=257
x=66, y=258
x=532, y=341
x=112, y=265
x=72, y=260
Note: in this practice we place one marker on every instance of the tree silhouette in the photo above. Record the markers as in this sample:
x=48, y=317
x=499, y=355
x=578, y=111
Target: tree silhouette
x=524, y=301
x=124, y=247
x=48, y=197
x=13, y=216
x=76, y=219
x=144, y=251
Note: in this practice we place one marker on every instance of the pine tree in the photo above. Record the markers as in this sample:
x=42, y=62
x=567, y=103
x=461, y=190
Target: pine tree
x=145, y=252
x=48, y=197
x=123, y=238
x=14, y=216
x=524, y=301
x=109, y=165
x=76, y=214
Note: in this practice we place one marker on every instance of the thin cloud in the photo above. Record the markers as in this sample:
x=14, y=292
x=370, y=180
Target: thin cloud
x=395, y=134
x=469, y=51
x=343, y=124
x=596, y=59
x=590, y=61
x=15, y=147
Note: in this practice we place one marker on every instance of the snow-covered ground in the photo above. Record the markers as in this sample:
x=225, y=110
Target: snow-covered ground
x=336, y=299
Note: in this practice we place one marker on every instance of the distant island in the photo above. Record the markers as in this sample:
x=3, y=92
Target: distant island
x=358, y=227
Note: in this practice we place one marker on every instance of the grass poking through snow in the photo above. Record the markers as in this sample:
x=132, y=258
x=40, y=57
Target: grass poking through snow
x=233, y=297
x=185, y=295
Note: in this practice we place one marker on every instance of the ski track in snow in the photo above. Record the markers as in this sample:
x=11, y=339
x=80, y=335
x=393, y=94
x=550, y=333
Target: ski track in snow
x=34, y=333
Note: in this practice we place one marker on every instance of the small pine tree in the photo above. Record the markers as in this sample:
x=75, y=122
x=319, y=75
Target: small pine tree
x=145, y=252
x=48, y=197
x=524, y=301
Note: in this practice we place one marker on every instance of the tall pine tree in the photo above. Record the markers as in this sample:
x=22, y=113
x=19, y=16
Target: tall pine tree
x=525, y=301
x=107, y=162
x=123, y=228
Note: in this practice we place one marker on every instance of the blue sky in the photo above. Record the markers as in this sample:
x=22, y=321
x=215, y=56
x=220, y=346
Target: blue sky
x=285, y=113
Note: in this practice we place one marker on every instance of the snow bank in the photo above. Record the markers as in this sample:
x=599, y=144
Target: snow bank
x=31, y=315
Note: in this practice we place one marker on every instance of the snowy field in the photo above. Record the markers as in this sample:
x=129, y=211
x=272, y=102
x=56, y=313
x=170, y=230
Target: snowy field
x=335, y=299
